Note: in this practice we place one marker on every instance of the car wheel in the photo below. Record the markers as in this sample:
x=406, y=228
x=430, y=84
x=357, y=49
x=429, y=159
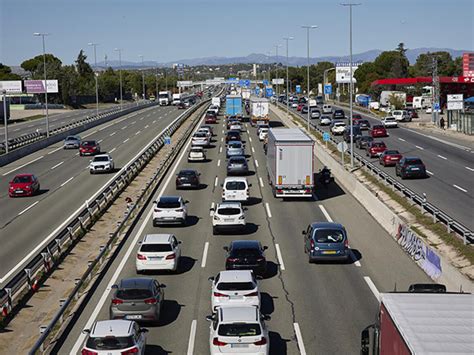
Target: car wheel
x=155, y=224
x=402, y=175
x=214, y=231
x=310, y=261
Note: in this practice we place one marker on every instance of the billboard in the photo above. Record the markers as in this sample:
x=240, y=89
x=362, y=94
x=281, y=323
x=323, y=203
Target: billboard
x=343, y=72
x=468, y=65
x=278, y=81
x=11, y=86
x=37, y=86
x=184, y=83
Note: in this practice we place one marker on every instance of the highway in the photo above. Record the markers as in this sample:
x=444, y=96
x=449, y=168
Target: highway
x=319, y=307
x=450, y=167
x=66, y=182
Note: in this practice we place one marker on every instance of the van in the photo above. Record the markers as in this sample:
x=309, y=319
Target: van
x=235, y=189
x=327, y=109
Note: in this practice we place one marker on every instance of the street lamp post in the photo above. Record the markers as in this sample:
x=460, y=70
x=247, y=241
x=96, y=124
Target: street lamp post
x=45, y=82
x=351, y=88
x=143, y=77
x=96, y=78
x=5, y=119
x=119, y=50
x=276, y=69
x=326, y=96
x=307, y=54
x=287, y=84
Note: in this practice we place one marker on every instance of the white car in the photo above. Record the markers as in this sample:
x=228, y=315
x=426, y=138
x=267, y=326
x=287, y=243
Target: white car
x=400, y=115
x=262, y=125
x=235, y=126
x=263, y=133
x=158, y=252
x=214, y=108
x=390, y=122
x=227, y=216
x=325, y=121
x=294, y=104
x=235, y=189
x=327, y=109
x=429, y=110
x=238, y=330
x=102, y=163
x=234, y=288
x=338, y=127
x=200, y=139
x=170, y=210
x=196, y=154
x=115, y=337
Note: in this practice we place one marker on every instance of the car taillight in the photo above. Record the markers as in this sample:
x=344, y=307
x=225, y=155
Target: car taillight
x=88, y=352
x=232, y=260
x=260, y=260
x=171, y=256
x=141, y=257
x=116, y=301
x=150, y=301
x=133, y=350
x=346, y=244
x=217, y=342
x=311, y=244
x=252, y=294
x=157, y=210
x=218, y=294
x=262, y=341
x=180, y=210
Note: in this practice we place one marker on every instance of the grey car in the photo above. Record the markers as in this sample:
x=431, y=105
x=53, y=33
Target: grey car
x=363, y=141
x=72, y=142
x=237, y=166
x=235, y=148
x=138, y=299
x=326, y=241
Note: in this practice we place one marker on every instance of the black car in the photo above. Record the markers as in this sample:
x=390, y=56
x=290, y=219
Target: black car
x=410, y=167
x=246, y=255
x=237, y=165
x=346, y=135
x=363, y=141
x=232, y=136
x=304, y=109
x=338, y=114
x=187, y=179
x=363, y=124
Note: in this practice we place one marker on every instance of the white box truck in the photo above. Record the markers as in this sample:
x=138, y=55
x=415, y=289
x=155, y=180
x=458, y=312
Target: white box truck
x=246, y=93
x=176, y=99
x=290, y=163
x=216, y=101
x=259, y=110
x=164, y=98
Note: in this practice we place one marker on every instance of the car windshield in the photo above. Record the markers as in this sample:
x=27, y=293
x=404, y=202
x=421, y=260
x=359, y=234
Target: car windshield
x=151, y=248
x=413, y=161
x=109, y=343
x=391, y=152
x=229, y=211
x=237, y=161
x=187, y=173
x=239, y=330
x=72, y=138
x=101, y=159
x=329, y=236
x=235, y=286
x=133, y=293
x=196, y=150
x=235, y=185
x=168, y=204
x=200, y=135
x=235, y=145
x=241, y=252
x=88, y=143
x=378, y=145
x=22, y=179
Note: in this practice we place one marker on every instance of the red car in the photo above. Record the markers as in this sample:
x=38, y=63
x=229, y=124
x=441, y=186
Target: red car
x=375, y=149
x=356, y=118
x=299, y=107
x=181, y=106
x=89, y=148
x=210, y=119
x=378, y=131
x=24, y=185
x=390, y=157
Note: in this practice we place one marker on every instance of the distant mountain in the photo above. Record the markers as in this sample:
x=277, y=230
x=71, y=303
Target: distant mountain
x=259, y=58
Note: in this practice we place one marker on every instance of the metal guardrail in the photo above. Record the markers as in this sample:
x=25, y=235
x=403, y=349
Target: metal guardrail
x=43, y=262
x=437, y=214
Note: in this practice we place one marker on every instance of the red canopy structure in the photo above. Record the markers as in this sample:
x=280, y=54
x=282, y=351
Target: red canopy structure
x=424, y=80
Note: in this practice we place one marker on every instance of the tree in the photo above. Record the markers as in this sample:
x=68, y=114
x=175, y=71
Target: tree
x=86, y=82
x=396, y=101
x=6, y=73
x=424, y=64
x=401, y=49
x=32, y=65
x=365, y=74
x=83, y=68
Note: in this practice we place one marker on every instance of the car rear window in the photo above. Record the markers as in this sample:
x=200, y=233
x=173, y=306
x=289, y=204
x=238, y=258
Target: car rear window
x=378, y=127
x=72, y=138
x=235, y=185
x=228, y=211
x=109, y=343
x=329, y=236
x=378, y=145
x=155, y=248
x=235, y=286
x=391, y=152
x=22, y=179
x=187, y=173
x=235, y=145
x=245, y=252
x=414, y=161
x=200, y=135
x=133, y=293
x=88, y=143
x=168, y=204
x=239, y=330
x=196, y=150
x=237, y=161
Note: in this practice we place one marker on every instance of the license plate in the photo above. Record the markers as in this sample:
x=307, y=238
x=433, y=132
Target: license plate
x=19, y=191
x=239, y=345
x=133, y=316
x=329, y=252
x=393, y=158
x=228, y=219
x=155, y=257
x=414, y=169
x=186, y=184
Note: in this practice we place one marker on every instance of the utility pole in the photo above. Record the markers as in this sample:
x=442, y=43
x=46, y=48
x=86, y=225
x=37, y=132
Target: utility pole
x=287, y=82
x=276, y=69
x=5, y=119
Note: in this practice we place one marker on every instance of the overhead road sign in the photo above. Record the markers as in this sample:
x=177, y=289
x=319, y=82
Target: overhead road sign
x=343, y=70
x=269, y=92
x=278, y=81
x=328, y=89
x=183, y=84
x=298, y=89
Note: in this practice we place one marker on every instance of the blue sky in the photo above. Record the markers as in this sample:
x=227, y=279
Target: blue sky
x=174, y=29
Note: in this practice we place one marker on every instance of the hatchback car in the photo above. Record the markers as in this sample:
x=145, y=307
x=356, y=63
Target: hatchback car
x=234, y=288
x=325, y=120
x=114, y=337
x=326, y=241
x=389, y=122
x=228, y=217
x=299, y=107
x=375, y=149
x=390, y=157
x=196, y=154
x=200, y=139
x=72, y=142
x=315, y=113
x=170, y=210
x=158, y=252
x=378, y=131
x=232, y=136
x=235, y=148
x=235, y=126
x=262, y=134
x=408, y=167
x=208, y=128
x=339, y=114
x=362, y=141
x=232, y=121
x=181, y=105
x=246, y=255
x=102, y=163
x=356, y=118
x=23, y=185
x=338, y=127
x=211, y=117
x=305, y=109
x=238, y=330
x=356, y=132
x=363, y=124
x=188, y=178
x=237, y=165
x=89, y=148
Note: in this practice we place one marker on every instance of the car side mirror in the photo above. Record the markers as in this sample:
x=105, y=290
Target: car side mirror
x=303, y=232
x=143, y=330
x=162, y=286
x=114, y=287
x=245, y=209
x=211, y=278
x=265, y=247
x=180, y=242
x=250, y=185
x=186, y=201
x=210, y=318
x=225, y=248
x=139, y=243
x=259, y=277
x=86, y=331
x=154, y=202
x=266, y=317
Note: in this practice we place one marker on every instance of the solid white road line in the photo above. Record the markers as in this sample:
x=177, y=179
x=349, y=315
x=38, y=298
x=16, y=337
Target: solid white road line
x=222, y=139
x=219, y=162
x=421, y=148
x=429, y=172
x=372, y=287
x=222, y=131
x=126, y=140
x=192, y=337
x=55, y=150
x=459, y=188
x=299, y=338
x=65, y=182
x=134, y=122
x=256, y=163
x=58, y=164
x=401, y=139
x=468, y=168
x=261, y=181
x=204, y=254
x=215, y=181
x=27, y=208
x=253, y=150
x=267, y=208
x=440, y=156
x=22, y=166
x=112, y=150
x=112, y=134
x=279, y=257
x=325, y=213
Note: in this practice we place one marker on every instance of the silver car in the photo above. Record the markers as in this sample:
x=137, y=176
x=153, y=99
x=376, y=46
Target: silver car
x=235, y=148
x=237, y=165
x=138, y=299
x=72, y=142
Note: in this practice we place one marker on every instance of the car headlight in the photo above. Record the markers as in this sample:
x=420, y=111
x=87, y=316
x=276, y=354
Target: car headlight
x=242, y=217
x=216, y=218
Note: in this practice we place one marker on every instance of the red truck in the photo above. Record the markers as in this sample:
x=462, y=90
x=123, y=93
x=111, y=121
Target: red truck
x=424, y=320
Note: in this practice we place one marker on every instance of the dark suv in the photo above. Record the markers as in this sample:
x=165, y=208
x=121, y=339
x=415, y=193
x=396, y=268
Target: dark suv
x=246, y=255
x=346, y=135
x=338, y=114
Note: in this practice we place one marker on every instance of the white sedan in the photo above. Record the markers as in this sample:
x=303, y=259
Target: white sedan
x=389, y=122
x=234, y=288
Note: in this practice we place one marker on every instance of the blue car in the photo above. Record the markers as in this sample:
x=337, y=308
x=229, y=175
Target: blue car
x=326, y=241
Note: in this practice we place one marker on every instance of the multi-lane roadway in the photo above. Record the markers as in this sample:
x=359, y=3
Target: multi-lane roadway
x=319, y=307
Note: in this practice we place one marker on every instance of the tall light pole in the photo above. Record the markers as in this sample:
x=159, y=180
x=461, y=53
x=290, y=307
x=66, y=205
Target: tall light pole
x=325, y=80
x=308, y=27
x=96, y=78
x=45, y=82
x=351, y=88
x=119, y=50
x=143, y=76
x=287, y=84
x=276, y=69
